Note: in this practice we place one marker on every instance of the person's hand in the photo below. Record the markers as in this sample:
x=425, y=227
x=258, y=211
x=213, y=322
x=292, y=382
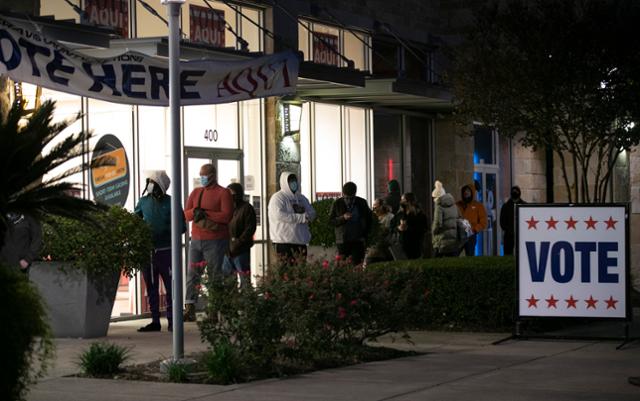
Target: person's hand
x=403, y=225
x=24, y=264
x=347, y=216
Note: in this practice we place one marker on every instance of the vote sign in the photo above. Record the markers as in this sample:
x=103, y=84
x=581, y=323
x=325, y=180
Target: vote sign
x=572, y=261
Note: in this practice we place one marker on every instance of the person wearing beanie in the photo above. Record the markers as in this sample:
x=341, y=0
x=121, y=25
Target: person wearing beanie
x=155, y=209
x=444, y=232
x=352, y=219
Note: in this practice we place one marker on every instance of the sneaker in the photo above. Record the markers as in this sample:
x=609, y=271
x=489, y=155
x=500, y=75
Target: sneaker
x=189, y=314
x=150, y=327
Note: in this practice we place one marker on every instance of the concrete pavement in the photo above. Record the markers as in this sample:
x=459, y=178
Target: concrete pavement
x=456, y=366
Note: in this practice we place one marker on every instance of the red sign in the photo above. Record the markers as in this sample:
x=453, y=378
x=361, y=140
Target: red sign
x=325, y=48
x=206, y=25
x=111, y=13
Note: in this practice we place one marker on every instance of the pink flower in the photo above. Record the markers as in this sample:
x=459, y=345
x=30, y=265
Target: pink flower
x=338, y=258
x=312, y=296
x=342, y=313
x=285, y=277
x=325, y=264
x=267, y=296
x=338, y=296
x=354, y=302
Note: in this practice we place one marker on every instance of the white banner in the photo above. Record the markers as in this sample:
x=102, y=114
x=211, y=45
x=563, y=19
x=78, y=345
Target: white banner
x=572, y=261
x=136, y=78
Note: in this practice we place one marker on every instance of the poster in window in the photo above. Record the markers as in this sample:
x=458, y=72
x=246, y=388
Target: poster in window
x=325, y=49
x=206, y=25
x=111, y=13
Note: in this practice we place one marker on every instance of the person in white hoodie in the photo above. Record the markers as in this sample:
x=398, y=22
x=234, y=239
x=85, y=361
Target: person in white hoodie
x=289, y=215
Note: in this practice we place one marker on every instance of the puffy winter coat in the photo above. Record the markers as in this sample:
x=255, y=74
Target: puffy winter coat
x=444, y=229
x=285, y=225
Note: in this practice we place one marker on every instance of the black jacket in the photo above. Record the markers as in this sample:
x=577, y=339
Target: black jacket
x=242, y=227
x=507, y=216
x=355, y=229
x=23, y=240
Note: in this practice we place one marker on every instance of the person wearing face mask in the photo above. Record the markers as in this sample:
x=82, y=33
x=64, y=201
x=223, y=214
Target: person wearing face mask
x=210, y=208
x=413, y=226
x=351, y=217
x=475, y=213
x=507, y=219
x=289, y=216
x=155, y=210
x=241, y=230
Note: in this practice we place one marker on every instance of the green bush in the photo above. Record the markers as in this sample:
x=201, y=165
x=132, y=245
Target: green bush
x=103, y=359
x=223, y=363
x=310, y=311
x=177, y=371
x=25, y=335
x=120, y=242
x=469, y=293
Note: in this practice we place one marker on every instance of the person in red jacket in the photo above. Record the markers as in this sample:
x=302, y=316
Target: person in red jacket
x=210, y=209
x=475, y=213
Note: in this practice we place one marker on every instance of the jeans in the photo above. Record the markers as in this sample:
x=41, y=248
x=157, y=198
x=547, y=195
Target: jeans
x=240, y=264
x=352, y=249
x=204, y=253
x=470, y=245
x=160, y=267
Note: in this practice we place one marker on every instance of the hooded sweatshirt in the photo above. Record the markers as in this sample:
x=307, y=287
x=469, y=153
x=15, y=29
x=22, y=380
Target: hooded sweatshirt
x=285, y=225
x=473, y=211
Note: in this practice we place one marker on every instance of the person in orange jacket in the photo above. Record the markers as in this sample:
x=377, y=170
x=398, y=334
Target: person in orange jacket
x=475, y=213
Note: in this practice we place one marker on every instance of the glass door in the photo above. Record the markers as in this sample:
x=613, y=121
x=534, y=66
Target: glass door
x=486, y=185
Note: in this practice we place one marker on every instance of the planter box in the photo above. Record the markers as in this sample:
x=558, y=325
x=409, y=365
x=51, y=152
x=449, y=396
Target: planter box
x=74, y=306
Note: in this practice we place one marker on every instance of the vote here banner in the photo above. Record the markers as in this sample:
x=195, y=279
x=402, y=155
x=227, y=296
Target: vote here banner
x=572, y=261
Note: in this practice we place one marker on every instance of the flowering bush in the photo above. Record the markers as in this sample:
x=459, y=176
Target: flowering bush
x=311, y=310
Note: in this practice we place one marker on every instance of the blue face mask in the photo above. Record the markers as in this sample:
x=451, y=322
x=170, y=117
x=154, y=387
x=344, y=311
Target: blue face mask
x=204, y=180
x=293, y=185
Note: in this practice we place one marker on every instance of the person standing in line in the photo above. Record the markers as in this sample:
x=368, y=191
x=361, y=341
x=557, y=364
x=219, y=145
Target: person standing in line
x=155, y=210
x=289, y=216
x=22, y=243
x=413, y=226
x=241, y=230
x=379, y=251
x=351, y=217
x=444, y=229
x=393, y=196
x=475, y=213
x=507, y=219
x=210, y=208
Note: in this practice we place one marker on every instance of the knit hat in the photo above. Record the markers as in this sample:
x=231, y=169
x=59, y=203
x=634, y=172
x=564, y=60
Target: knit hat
x=160, y=178
x=438, y=190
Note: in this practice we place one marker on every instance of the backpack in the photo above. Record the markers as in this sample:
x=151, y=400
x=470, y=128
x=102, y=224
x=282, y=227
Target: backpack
x=464, y=230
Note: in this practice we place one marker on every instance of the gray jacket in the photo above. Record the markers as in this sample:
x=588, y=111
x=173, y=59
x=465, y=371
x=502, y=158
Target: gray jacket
x=444, y=228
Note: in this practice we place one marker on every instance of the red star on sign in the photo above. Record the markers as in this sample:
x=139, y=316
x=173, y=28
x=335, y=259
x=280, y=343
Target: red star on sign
x=551, y=223
x=532, y=223
x=533, y=301
x=571, y=223
x=611, y=303
x=591, y=303
x=591, y=223
x=611, y=223
x=571, y=302
x=552, y=302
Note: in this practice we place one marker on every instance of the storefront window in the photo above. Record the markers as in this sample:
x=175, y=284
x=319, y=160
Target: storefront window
x=357, y=148
x=316, y=47
x=106, y=118
x=153, y=139
x=484, y=145
x=328, y=149
x=211, y=126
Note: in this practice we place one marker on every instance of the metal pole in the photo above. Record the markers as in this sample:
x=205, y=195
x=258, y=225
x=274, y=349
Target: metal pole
x=173, y=7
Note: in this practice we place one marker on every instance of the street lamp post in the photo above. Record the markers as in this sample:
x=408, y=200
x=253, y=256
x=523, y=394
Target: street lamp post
x=173, y=8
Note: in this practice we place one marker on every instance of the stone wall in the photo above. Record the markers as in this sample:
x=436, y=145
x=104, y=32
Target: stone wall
x=529, y=173
x=453, y=157
x=634, y=223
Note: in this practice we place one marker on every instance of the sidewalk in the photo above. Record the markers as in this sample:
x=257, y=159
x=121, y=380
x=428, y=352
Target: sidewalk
x=456, y=366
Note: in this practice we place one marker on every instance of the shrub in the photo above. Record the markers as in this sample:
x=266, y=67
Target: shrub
x=120, y=242
x=177, y=371
x=103, y=359
x=469, y=293
x=25, y=335
x=310, y=311
x=223, y=363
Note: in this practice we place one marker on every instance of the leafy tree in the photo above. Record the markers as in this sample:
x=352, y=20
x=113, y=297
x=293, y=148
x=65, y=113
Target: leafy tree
x=563, y=74
x=23, y=167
